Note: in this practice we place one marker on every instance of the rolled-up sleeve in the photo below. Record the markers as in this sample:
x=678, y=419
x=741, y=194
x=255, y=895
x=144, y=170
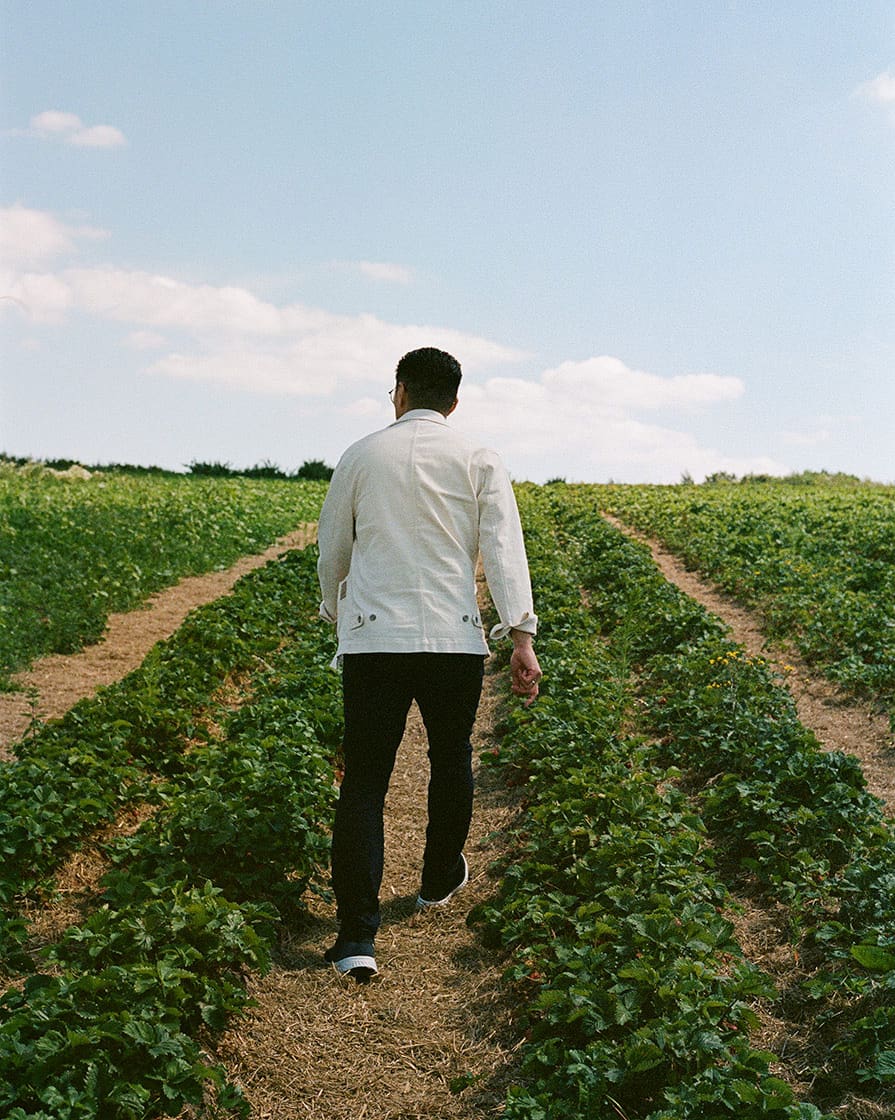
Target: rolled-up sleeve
x=503, y=551
x=335, y=538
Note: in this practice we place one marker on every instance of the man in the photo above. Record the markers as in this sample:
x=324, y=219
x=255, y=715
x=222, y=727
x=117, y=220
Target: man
x=407, y=513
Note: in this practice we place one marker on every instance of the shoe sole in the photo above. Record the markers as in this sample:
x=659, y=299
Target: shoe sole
x=361, y=967
x=427, y=903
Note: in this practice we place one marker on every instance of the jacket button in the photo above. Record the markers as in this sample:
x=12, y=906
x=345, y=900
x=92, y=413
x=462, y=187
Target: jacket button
x=360, y=618
x=372, y=617
x=466, y=618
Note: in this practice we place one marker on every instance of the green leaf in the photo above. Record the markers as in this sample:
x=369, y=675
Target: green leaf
x=873, y=957
x=885, y=1064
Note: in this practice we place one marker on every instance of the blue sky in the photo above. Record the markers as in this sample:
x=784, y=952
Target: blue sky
x=658, y=236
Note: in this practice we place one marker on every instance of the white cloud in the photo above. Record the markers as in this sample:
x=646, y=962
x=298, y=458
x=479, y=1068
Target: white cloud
x=30, y=239
x=249, y=370
x=146, y=340
x=68, y=127
x=317, y=354
x=879, y=90
x=97, y=136
x=607, y=384
x=236, y=338
x=159, y=301
x=815, y=432
x=579, y=419
x=386, y=272
x=383, y=272
x=34, y=237
x=42, y=297
x=576, y=424
x=53, y=121
x=245, y=342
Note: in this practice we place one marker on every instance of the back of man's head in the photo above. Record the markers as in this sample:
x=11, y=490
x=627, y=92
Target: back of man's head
x=432, y=378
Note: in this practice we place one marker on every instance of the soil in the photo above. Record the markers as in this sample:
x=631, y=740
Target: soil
x=761, y=927
x=54, y=684
x=433, y=1035
x=839, y=722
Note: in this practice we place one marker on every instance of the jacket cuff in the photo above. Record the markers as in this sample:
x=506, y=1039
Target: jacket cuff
x=528, y=623
x=326, y=614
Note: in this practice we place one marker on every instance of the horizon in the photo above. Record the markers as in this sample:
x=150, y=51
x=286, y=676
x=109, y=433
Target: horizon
x=271, y=470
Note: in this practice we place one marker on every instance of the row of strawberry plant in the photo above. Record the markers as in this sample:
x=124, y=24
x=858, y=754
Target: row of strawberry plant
x=788, y=820
x=818, y=561
x=77, y=773
x=114, y=1027
x=639, y=999
x=72, y=553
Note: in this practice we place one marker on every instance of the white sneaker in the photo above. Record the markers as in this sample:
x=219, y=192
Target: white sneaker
x=436, y=895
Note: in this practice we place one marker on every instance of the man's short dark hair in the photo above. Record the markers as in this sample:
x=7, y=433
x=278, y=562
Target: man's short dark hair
x=432, y=378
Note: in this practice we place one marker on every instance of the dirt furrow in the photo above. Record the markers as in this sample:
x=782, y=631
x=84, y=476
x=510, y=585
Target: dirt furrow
x=839, y=722
x=432, y=1035
x=55, y=683
x=762, y=927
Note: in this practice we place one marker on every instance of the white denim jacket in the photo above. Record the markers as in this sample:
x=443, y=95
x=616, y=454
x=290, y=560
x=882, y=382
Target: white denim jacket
x=408, y=511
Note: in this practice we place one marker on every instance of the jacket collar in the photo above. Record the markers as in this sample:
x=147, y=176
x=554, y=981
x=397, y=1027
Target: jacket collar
x=423, y=414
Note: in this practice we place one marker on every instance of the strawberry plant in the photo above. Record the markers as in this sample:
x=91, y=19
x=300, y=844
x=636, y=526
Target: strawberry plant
x=115, y=1027
x=786, y=819
x=73, y=553
x=815, y=557
x=638, y=996
x=111, y=1032
x=73, y=774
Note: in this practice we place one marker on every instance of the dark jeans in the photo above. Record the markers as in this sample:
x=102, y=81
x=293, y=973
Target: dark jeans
x=378, y=689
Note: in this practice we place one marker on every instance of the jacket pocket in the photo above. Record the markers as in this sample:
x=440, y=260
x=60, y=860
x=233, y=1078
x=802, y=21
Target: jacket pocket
x=351, y=617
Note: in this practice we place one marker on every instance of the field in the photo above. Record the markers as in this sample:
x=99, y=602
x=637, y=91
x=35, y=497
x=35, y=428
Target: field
x=74, y=551
x=817, y=559
x=668, y=804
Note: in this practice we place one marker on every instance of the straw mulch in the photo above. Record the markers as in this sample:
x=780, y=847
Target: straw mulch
x=432, y=1035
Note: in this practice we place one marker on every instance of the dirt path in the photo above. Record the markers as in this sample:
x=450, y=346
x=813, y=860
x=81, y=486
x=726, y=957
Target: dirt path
x=840, y=723
x=319, y=1045
x=322, y=1046
x=55, y=683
